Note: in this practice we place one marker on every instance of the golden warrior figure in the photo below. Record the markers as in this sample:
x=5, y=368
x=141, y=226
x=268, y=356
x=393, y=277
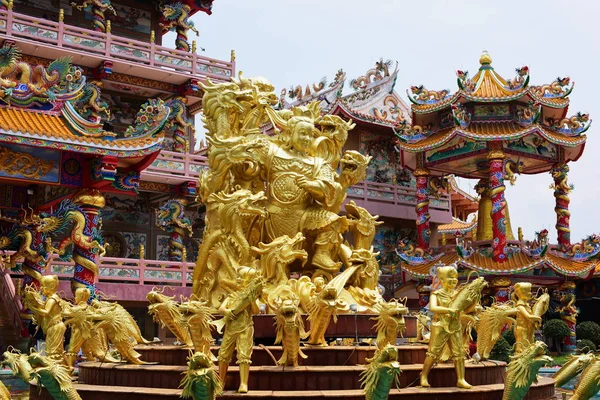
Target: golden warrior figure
x=48, y=315
x=526, y=320
x=237, y=311
x=446, y=328
x=302, y=189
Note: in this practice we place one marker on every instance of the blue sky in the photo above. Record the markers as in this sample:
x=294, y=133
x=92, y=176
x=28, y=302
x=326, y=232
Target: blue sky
x=298, y=42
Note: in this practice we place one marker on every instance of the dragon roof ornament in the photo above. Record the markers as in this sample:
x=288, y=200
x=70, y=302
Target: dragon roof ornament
x=327, y=94
x=35, y=86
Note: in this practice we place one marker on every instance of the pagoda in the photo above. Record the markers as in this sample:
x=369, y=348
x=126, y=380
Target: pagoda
x=491, y=129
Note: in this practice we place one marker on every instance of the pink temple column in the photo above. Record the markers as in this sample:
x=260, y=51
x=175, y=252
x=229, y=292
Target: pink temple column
x=496, y=160
x=422, y=208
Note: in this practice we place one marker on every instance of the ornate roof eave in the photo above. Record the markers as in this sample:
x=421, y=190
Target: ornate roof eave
x=391, y=80
x=360, y=117
x=457, y=225
x=447, y=134
x=39, y=129
x=329, y=95
x=578, y=270
x=552, y=102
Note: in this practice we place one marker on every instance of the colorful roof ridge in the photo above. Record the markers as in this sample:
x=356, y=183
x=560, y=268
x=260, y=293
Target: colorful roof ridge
x=517, y=263
x=488, y=86
x=457, y=225
x=490, y=131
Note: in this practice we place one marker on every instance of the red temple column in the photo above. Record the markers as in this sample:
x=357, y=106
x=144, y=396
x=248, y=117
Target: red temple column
x=85, y=257
x=561, y=195
x=422, y=208
x=501, y=288
x=496, y=160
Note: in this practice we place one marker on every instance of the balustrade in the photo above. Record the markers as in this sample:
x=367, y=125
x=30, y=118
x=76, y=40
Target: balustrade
x=109, y=47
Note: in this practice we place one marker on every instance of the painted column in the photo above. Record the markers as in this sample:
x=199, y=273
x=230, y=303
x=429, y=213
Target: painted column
x=171, y=218
x=561, y=195
x=85, y=256
x=423, y=296
x=501, y=288
x=422, y=208
x=496, y=160
x=568, y=313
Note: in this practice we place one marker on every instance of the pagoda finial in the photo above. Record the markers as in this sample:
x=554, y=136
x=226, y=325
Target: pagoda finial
x=485, y=58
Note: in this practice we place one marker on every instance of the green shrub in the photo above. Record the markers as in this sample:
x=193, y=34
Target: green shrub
x=509, y=336
x=501, y=351
x=556, y=329
x=586, y=345
x=589, y=330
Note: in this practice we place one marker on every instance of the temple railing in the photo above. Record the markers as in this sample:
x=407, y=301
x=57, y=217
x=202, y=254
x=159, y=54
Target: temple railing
x=393, y=194
x=111, y=47
x=10, y=305
x=174, y=168
x=131, y=271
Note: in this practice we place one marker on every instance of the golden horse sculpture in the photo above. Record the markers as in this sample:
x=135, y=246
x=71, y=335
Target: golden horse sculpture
x=92, y=341
x=283, y=192
x=166, y=311
x=290, y=329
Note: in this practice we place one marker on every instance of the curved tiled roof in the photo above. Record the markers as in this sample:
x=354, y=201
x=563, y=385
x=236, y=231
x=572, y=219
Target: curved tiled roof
x=517, y=262
x=457, y=225
x=488, y=87
x=489, y=131
x=52, y=130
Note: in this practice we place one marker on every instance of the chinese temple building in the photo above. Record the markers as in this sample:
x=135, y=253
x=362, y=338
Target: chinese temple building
x=491, y=129
x=389, y=189
x=99, y=173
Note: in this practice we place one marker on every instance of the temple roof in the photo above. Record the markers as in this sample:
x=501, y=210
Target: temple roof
x=487, y=86
x=52, y=130
x=517, y=262
x=457, y=226
x=492, y=131
x=373, y=100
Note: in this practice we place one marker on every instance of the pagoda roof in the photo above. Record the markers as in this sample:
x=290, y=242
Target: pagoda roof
x=327, y=96
x=457, y=225
x=492, y=131
x=517, y=262
x=374, y=101
x=487, y=86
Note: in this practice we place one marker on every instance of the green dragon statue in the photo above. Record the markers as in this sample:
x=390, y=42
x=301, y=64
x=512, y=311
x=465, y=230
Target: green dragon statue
x=90, y=105
x=171, y=218
x=54, y=376
x=176, y=17
x=201, y=381
x=381, y=374
x=523, y=369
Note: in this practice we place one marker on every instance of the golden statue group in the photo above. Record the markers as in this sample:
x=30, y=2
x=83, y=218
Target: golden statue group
x=273, y=239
